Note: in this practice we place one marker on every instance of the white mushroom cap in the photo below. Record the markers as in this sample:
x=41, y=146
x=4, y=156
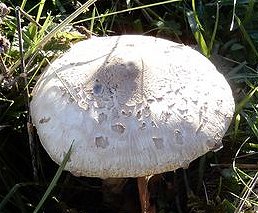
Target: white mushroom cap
x=133, y=105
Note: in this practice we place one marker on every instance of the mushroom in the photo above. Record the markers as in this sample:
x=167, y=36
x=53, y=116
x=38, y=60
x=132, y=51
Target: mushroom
x=133, y=105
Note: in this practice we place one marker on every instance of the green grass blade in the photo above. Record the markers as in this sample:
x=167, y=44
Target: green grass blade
x=215, y=29
x=237, y=123
x=23, y=4
x=36, y=72
x=65, y=22
x=245, y=100
x=58, y=4
x=92, y=22
x=251, y=123
x=148, y=13
x=196, y=15
x=101, y=20
x=229, y=207
x=233, y=16
x=249, y=13
x=41, y=6
x=11, y=193
x=54, y=180
x=197, y=30
x=246, y=36
x=197, y=33
x=33, y=8
x=43, y=30
x=201, y=169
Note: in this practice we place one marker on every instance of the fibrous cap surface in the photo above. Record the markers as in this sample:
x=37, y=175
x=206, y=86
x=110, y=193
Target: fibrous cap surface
x=133, y=105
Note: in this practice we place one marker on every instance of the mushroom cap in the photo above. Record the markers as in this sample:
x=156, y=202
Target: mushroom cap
x=132, y=106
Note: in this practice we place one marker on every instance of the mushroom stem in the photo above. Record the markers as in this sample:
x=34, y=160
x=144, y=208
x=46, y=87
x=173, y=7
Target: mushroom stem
x=144, y=195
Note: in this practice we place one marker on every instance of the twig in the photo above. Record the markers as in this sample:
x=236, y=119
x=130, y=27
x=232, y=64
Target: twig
x=238, y=165
x=29, y=17
x=24, y=72
x=18, y=16
x=205, y=192
x=3, y=67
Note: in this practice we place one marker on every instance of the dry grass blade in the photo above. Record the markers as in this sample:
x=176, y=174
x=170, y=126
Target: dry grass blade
x=248, y=191
x=248, y=187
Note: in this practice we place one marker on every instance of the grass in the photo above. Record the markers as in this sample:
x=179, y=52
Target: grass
x=218, y=182
x=54, y=180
